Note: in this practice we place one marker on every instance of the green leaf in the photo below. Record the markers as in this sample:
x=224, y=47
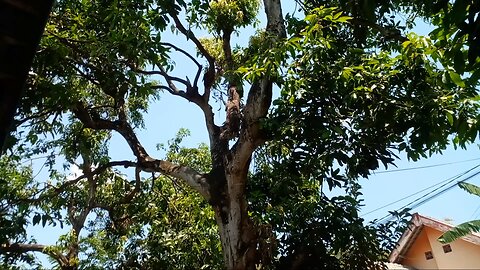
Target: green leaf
x=470, y=188
x=460, y=231
x=459, y=11
x=449, y=118
x=456, y=79
x=36, y=219
x=466, y=227
x=45, y=218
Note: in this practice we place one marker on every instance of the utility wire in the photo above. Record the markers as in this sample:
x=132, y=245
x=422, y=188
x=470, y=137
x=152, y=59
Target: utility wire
x=442, y=191
x=419, y=201
x=427, y=166
x=474, y=215
x=431, y=195
x=420, y=191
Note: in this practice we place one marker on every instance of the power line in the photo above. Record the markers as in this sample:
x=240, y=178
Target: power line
x=425, y=189
x=474, y=216
x=431, y=195
x=416, y=203
x=427, y=166
x=443, y=191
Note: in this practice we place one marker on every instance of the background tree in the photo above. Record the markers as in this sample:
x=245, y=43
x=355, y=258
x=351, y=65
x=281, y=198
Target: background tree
x=354, y=90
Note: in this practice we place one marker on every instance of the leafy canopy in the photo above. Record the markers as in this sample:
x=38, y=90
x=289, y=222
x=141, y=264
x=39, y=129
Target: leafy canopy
x=354, y=90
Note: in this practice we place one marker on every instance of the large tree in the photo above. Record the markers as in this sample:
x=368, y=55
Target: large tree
x=353, y=88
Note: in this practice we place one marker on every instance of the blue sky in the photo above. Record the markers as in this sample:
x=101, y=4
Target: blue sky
x=167, y=115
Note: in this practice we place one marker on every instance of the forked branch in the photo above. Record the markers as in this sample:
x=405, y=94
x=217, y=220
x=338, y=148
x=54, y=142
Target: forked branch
x=199, y=66
x=209, y=76
x=260, y=94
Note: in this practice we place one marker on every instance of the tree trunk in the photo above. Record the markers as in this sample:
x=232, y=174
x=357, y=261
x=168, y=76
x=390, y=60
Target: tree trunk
x=237, y=231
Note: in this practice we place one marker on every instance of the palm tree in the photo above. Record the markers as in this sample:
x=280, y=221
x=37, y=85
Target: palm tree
x=21, y=26
x=464, y=228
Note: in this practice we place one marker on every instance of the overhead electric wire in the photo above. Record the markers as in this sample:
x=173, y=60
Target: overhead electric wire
x=431, y=195
x=427, y=166
x=442, y=191
x=419, y=201
x=474, y=215
x=420, y=191
x=416, y=203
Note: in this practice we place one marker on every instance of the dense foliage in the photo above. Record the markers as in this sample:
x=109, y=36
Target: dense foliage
x=355, y=88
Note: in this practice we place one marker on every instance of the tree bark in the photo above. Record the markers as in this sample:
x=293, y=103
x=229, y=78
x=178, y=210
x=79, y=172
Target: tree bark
x=238, y=233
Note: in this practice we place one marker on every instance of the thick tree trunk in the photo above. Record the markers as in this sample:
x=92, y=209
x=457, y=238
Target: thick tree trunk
x=237, y=232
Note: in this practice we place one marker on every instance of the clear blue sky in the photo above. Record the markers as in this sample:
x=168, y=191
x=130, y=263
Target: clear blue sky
x=170, y=113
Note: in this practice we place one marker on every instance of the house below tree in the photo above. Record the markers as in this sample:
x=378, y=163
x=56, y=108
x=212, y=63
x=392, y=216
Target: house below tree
x=419, y=248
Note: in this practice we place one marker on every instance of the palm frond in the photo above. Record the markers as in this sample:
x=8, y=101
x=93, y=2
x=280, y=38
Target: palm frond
x=470, y=188
x=460, y=231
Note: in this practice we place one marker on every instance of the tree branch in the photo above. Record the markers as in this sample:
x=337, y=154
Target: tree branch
x=128, y=198
x=83, y=74
x=209, y=76
x=92, y=120
x=189, y=34
x=162, y=72
x=42, y=115
x=24, y=248
x=199, y=71
x=57, y=190
x=196, y=180
x=227, y=49
x=78, y=221
x=387, y=33
x=260, y=95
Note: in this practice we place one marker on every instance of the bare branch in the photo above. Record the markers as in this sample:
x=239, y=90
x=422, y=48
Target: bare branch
x=192, y=37
x=170, y=80
x=91, y=119
x=259, y=96
x=161, y=72
x=209, y=76
x=179, y=93
x=83, y=74
x=194, y=179
x=79, y=221
x=199, y=71
x=21, y=248
x=43, y=115
x=144, y=161
x=275, y=22
x=227, y=50
x=192, y=90
x=57, y=190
